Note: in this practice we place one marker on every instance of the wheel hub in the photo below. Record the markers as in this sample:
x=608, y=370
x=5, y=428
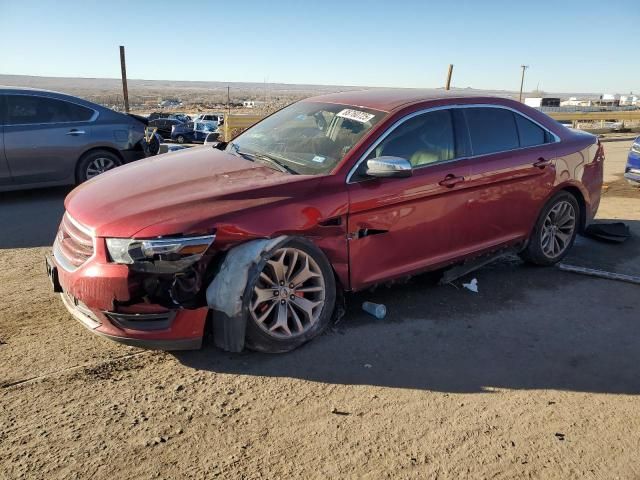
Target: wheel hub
x=288, y=297
x=558, y=229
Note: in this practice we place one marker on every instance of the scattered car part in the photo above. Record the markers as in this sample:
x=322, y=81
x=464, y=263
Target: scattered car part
x=472, y=264
x=472, y=285
x=616, y=232
x=599, y=273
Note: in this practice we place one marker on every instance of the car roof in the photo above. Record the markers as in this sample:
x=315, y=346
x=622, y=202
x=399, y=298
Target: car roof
x=388, y=100
x=4, y=89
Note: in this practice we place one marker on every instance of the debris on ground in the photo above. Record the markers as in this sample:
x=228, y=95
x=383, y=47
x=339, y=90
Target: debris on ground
x=599, y=273
x=376, y=309
x=616, y=232
x=335, y=411
x=472, y=285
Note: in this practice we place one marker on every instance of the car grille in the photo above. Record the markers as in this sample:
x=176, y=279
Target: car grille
x=73, y=245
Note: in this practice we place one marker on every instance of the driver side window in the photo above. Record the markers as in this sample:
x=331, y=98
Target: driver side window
x=423, y=140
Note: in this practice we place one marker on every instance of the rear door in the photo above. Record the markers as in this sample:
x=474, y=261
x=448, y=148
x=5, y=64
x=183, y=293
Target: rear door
x=400, y=226
x=44, y=137
x=512, y=174
x=5, y=173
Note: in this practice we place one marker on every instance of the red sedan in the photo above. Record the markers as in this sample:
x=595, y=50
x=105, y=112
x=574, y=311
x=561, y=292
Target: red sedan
x=337, y=192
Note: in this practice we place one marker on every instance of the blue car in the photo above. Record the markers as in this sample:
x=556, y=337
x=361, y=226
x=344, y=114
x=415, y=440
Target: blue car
x=192, y=132
x=632, y=170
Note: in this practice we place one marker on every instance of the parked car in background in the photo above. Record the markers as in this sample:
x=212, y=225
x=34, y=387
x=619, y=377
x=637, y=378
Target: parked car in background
x=211, y=117
x=192, y=132
x=183, y=117
x=337, y=192
x=49, y=138
x=212, y=138
x=632, y=170
x=165, y=126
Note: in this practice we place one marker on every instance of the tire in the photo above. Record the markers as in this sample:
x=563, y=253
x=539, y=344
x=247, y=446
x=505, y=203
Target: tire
x=94, y=163
x=554, y=232
x=281, y=332
x=180, y=139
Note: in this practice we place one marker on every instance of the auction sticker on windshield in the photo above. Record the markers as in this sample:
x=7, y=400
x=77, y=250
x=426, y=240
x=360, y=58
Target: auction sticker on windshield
x=356, y=115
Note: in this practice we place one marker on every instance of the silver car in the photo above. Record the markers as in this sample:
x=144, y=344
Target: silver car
x=49, y=138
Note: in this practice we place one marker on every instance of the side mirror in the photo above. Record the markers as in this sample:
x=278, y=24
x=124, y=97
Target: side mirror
x=384, y=167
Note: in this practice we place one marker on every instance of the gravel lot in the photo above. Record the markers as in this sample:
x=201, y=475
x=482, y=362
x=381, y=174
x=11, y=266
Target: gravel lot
x=534, y=376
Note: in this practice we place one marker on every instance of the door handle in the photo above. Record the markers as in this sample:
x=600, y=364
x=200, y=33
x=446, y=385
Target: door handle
x=75, y=132
x=451, y=181
x=542, y=162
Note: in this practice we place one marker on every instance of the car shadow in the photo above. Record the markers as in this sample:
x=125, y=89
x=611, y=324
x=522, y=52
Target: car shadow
x=527, y=328
x=30, y=218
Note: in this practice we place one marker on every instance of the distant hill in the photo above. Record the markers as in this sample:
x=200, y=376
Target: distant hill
x=108, y=91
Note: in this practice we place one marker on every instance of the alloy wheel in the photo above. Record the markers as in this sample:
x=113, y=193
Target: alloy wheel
x=558, y=229
x=99, y=165
x=289, y=295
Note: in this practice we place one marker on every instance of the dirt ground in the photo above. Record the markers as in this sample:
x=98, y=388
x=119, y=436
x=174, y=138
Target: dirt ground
x=536, y=376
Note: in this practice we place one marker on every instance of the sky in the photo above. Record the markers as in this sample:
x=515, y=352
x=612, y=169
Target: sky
x=570, y=46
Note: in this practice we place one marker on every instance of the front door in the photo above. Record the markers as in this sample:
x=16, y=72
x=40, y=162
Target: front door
x=400, y=226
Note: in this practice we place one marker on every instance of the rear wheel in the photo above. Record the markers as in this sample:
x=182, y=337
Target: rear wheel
x=180, y=139
x=292, y=296
x=94, y=163
x=555, y=231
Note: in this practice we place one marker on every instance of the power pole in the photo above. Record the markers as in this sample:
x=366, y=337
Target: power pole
x=524, y=67
x=123, y=69
x=228, y=101
x=448, y=86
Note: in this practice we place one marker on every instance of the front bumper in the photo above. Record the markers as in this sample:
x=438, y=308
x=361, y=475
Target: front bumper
x=92, y=320
x=95, y=292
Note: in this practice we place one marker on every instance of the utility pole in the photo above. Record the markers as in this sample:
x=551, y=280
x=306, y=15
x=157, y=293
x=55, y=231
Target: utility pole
x=123, y=69
x=524, y=67
x=448, y=86
x=228, y=101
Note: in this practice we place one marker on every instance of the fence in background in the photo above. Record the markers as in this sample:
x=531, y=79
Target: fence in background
x=235, y=124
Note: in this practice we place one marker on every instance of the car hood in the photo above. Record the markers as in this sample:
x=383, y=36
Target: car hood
x=177, y=193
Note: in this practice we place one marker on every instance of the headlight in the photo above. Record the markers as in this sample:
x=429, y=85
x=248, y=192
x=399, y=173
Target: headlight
x=635, y=147
x=129, y=250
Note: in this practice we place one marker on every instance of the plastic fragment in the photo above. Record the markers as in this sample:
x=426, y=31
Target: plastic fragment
x=472, y=285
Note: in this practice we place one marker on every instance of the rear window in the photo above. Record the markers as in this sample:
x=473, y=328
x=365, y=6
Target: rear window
x=491, y=130
x=530, y=133
x=27, y=109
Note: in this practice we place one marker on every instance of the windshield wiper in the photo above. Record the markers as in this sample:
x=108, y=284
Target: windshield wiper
x=281, y=166
x=264, y=157
x=236, y=149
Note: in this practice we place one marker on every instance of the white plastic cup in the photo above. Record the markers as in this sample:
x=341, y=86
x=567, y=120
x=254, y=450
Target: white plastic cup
x=376, y=309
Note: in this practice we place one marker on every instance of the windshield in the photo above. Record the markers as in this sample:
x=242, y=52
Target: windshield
x=307, y=137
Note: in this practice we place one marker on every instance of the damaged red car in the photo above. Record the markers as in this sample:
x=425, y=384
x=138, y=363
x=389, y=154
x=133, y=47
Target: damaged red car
x=257, y=236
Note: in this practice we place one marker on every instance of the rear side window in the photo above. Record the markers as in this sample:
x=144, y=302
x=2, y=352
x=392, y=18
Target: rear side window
x=530, y=133
x=491, y=130
x=27, y=109
x=423, y=140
